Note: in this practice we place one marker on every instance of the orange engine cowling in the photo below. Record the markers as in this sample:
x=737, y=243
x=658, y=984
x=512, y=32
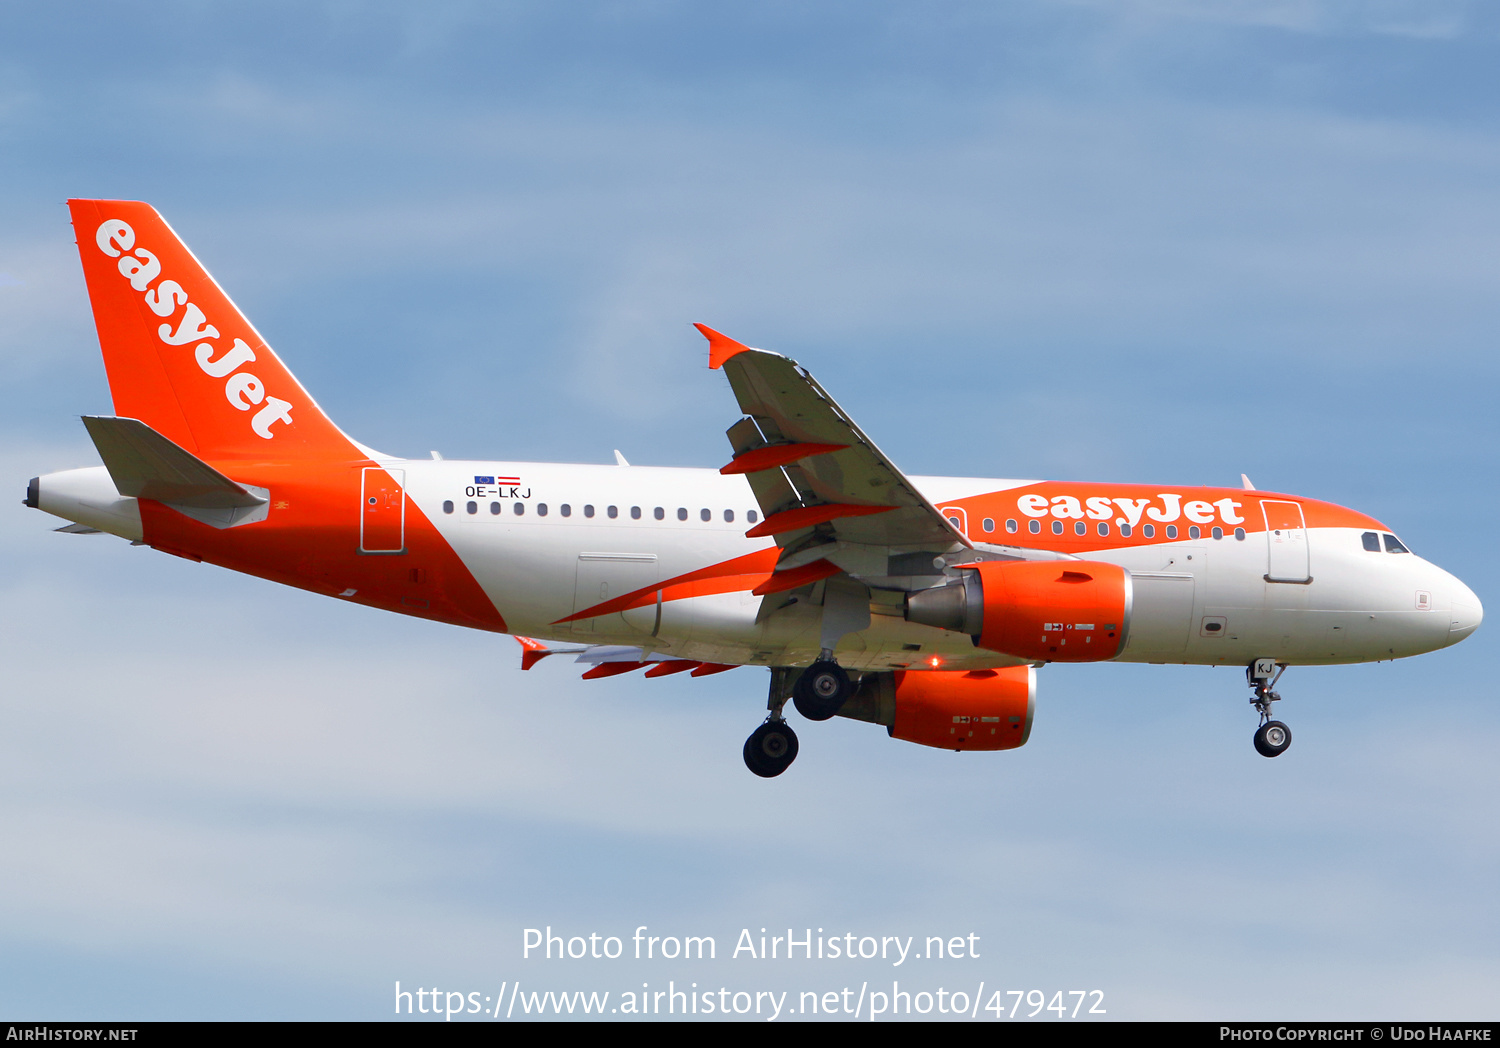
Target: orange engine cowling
x=1046, y=611
x=950, y=709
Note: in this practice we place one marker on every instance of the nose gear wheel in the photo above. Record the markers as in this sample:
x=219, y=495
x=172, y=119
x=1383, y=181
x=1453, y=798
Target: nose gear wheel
x=1272, y=739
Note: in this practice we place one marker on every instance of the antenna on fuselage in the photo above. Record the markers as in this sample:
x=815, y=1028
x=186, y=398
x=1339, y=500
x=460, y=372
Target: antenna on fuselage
x=620, y=459
x=1243, y=480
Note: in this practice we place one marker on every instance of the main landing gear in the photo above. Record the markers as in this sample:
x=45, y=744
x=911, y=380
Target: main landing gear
x=818, y=693
x=1272, y=737
x=771, y=748
x=821, y=690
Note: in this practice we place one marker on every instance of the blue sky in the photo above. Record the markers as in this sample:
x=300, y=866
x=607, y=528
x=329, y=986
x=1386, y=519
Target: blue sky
x=1135, y=241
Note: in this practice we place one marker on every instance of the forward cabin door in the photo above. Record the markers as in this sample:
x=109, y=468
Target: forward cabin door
x=1287, y=557
x=382, y=519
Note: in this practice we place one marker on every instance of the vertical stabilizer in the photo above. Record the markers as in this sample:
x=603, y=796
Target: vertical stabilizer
x=180, y=356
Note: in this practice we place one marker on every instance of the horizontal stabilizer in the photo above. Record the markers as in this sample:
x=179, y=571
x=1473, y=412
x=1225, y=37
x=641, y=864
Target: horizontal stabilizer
x=146, y=465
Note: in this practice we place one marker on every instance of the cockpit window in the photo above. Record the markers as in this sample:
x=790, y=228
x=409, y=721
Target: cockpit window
x=1371, y=541
x=1393, y=545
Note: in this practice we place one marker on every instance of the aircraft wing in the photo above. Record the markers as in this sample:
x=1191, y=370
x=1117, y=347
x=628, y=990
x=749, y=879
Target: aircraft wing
x=817, y=477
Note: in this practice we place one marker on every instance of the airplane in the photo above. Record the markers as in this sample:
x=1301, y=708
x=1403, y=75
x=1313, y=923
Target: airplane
x=921, y=604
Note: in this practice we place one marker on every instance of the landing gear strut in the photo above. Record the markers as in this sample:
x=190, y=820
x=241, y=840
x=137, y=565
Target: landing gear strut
x=1272, y=737
x=772, y=747
x=818, y=692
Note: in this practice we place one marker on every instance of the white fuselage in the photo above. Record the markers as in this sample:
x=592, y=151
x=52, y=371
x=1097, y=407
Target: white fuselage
x=1360, y=606
x=564, y=538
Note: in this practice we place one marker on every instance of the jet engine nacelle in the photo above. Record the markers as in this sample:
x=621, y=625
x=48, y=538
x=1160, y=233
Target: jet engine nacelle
x=1045, y=611
x=949, y=709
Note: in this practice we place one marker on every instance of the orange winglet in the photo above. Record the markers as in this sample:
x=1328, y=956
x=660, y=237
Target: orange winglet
x=609, y=669
x=794, y=577
x=706, y=668
x=720, y=347
x=663, y=669
x=773, y=455
x=532, y=652
x=807, y=516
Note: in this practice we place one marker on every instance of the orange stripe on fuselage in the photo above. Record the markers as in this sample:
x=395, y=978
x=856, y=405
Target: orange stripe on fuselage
x=1135, y=505
x=311, y=540
x=730, y=576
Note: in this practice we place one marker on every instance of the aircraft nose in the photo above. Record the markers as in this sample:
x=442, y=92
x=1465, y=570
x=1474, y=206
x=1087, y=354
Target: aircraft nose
x=1467, y=613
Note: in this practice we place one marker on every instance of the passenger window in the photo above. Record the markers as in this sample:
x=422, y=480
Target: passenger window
x=750, y=516
x=613, y=512
x=448, y=507
x=1080, y=528
x=1011, y=526
x=989, y=524
x=1103, y=529
x=1171, y=531
x=1035, y=526
x=729, y=516
x=681, y=513
x=1125, y=530
x=1218, y=533
x=1371, y=541
x=1148, y=530
x=1393, y=545
x=1195, y=532
x=659, y=513
x=520, y=508
x=565, y=509
x=472, y=507
x=1057, y=527
x=541, y=509
x=588, y=511
x=1239, y=533
x=494, y=509
x=705, y=515
x=635, y=513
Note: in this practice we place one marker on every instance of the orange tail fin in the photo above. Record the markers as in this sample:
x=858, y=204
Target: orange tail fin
x=180, y=356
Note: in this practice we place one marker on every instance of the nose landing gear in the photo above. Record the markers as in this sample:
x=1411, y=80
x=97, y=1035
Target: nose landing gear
x=1272, y=737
